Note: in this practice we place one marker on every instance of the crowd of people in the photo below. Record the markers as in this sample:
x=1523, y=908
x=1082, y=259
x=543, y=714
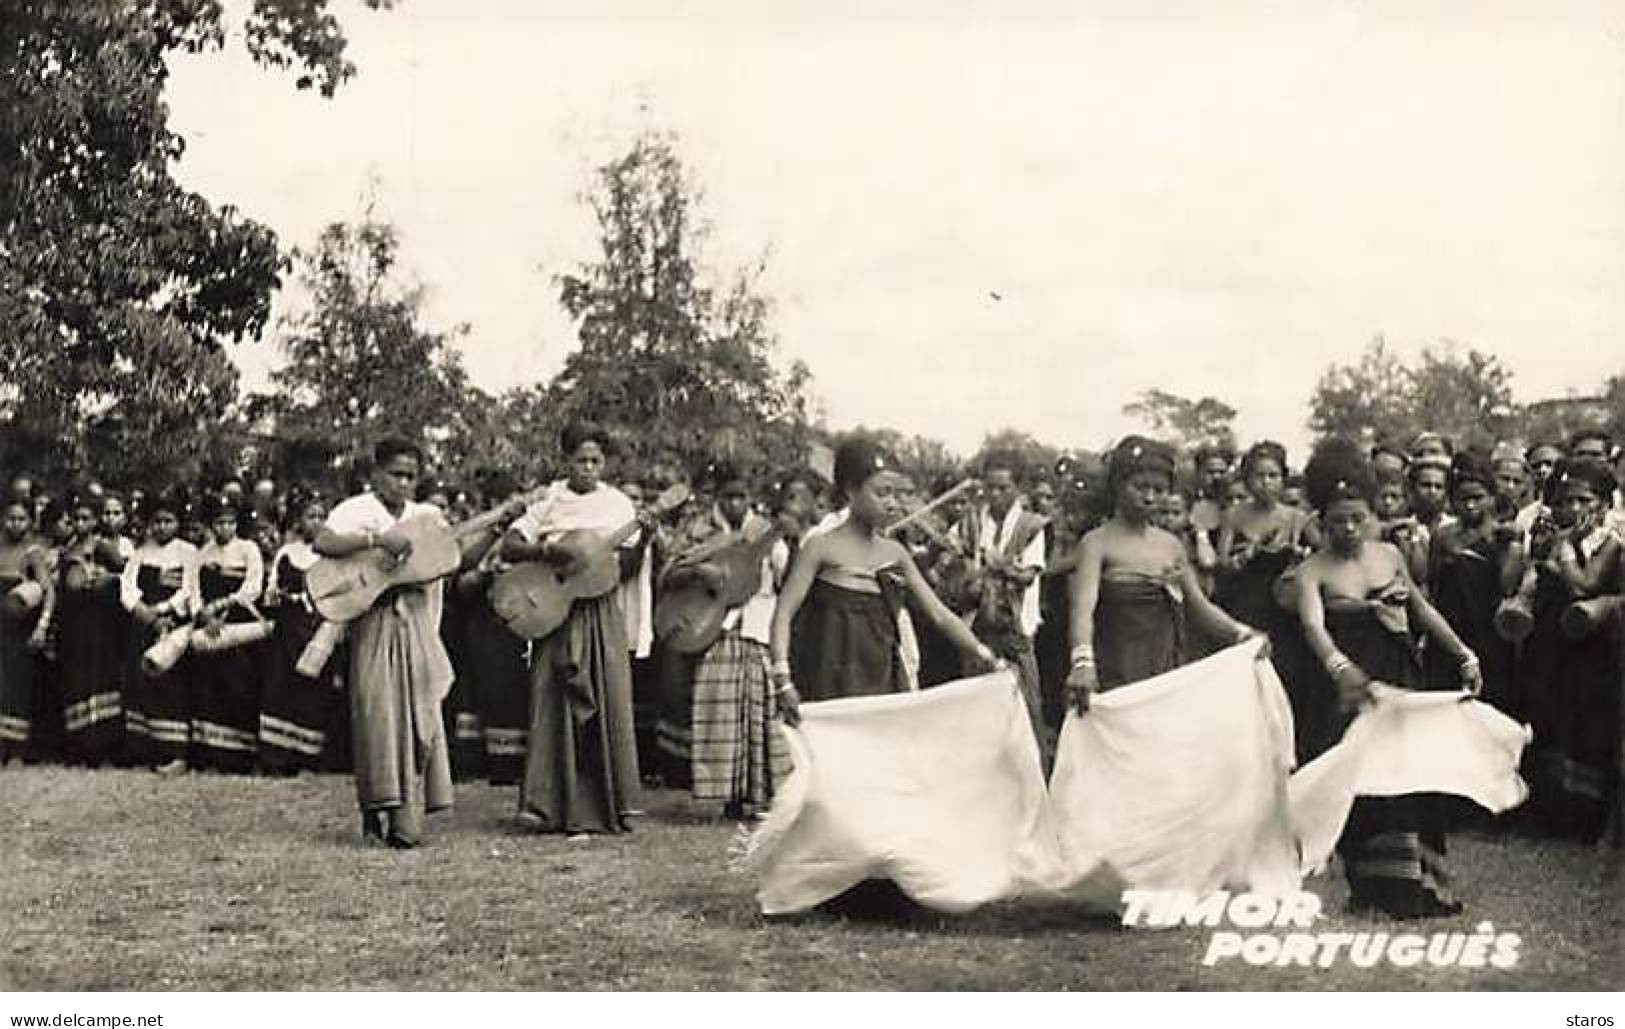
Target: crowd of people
x=1417, y=566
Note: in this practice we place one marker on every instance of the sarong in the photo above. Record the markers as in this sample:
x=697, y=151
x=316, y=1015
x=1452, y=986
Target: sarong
x=739, y=756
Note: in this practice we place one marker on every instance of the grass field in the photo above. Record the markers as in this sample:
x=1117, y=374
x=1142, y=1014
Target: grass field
x=126, y=881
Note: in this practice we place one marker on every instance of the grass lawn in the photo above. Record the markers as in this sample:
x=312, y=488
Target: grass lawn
x=125, y=881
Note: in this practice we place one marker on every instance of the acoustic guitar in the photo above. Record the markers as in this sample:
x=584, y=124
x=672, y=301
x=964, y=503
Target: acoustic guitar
x=345, y=588
x=699, y=593
x=534, y=598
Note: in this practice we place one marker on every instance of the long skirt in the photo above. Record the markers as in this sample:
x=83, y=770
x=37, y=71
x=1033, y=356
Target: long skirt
x=1571, y=692
x=494, y=658
x=1466, y=591
x=461, y=712
x=581, y=767
x=225, y=706
x=401, y=762
x=1393, y=848
x=157, y=709
x=91, y=648
x=17, y=670
x=1139, y=630
x=846, y=644
x=674, y=720
x=294, y=709
x=740, y=757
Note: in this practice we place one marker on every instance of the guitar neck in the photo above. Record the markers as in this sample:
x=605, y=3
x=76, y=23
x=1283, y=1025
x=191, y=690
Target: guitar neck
x=481, y=522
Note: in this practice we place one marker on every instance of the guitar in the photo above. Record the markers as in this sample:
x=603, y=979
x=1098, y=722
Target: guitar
x=343, y=589
x=700, y=592
x=534, y=598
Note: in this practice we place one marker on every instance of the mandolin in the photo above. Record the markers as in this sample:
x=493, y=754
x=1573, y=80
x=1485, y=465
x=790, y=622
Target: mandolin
x=697, y=594
x=534, y=598
x=345, y=588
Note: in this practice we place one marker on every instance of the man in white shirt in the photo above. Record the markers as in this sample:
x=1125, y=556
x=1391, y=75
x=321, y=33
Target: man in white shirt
x=1009, y=548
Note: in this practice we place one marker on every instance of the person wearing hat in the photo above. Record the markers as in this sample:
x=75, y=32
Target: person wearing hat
x=159, y=589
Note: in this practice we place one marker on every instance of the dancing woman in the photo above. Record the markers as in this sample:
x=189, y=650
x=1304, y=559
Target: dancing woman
x=1134, y=585
x=1356, y=601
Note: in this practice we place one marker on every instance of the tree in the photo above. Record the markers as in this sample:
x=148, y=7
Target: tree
x=1183, y=422
x=359, y=364
x=118, y=288
x=1466, y=396
x=666, y=362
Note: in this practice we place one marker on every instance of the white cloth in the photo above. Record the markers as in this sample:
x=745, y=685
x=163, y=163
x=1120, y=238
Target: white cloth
x=1179, y=782
x=237, y=557
x=364, y=512
x=177, y=558
x=1408, y=742
x=993, y=536
x=637, y=604
x=562, y=509
x=939, y=791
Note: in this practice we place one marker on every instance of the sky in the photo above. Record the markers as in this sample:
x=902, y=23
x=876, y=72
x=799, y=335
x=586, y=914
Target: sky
x=975, y=218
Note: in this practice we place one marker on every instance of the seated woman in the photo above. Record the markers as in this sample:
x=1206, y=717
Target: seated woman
x=1356, y=600
x=1134, y=585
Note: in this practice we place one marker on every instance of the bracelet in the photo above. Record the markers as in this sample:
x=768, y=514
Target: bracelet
x=1244, y=633
x=1337, y=662
x=782, y=690
x=1083, y=654
x=1469, y=660
x=372, y=539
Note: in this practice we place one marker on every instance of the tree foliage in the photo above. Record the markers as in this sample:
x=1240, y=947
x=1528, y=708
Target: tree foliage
x=118, y=287
x=1184, y=422
x=672, y=365
x=1467, y=396
x=360, y=366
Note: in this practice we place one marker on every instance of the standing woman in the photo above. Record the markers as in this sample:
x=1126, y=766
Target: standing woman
x=225, y=683
x=399, y=669
x=1465, y=566
x=159, y=589
x=581, y=766
x=1258, y=539
x=1134, y=584
x=21, y=561
x=294, y=710
x=1356, y=601
x=843, y=594
x=89, y=636
x=46, y=732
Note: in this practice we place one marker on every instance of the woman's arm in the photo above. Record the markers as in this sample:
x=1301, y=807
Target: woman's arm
x=1084, y=679
x=1428, y=617
x=1586, y=579
x=1205, y=612
x=945, y=620
x=809, y=559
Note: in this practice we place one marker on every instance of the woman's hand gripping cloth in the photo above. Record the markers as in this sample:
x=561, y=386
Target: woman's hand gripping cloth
x=1408, y=742
x=939, y=791
x=1179, y=782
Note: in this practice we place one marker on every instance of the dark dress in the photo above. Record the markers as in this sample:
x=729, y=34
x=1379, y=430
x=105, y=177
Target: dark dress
x=581, y=764
x=845, y=642
x=494, y=659
x=90, y=643
x=1393, y=848
x=157, y=707
x=225, y=687
x=1466, y=589
x=294, y=710
x=1139, y=628
x=460, y=711
x=17, y=667
x=1571, y=697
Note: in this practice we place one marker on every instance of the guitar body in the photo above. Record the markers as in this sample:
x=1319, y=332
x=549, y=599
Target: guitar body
x=534, y=599
x=344, y=588
x=689, y=616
